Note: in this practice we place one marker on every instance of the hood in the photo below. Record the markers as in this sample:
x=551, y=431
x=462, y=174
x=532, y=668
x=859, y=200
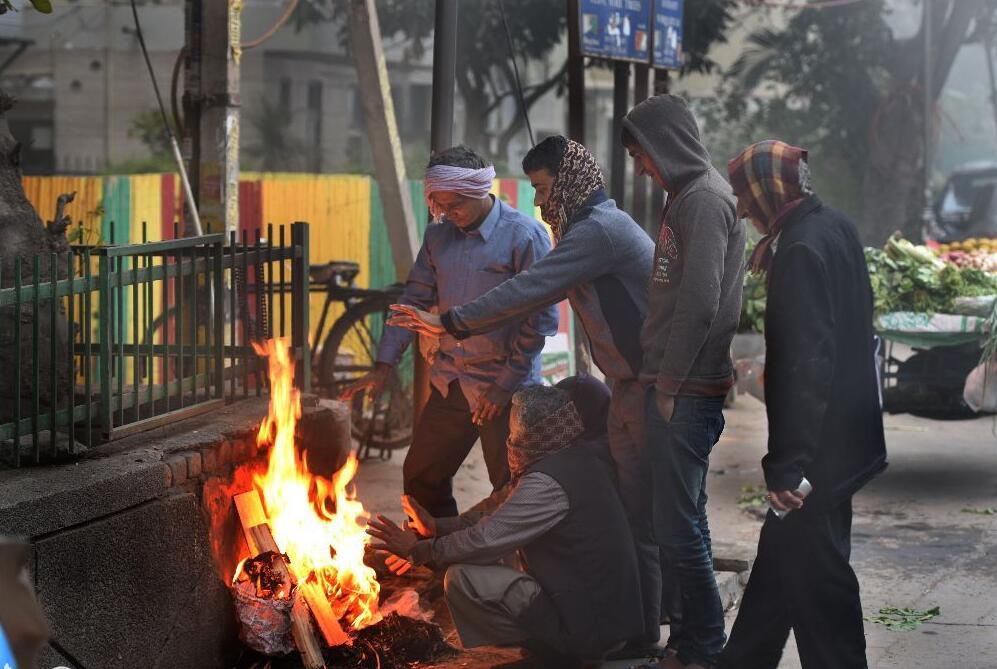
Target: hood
x=667, y=131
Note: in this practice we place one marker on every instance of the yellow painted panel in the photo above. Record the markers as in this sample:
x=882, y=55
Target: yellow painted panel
x=43, y=192
x=337, y=209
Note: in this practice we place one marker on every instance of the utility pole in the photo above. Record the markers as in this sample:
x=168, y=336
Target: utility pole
x=928, y=215
x=618, y=168
x=211, y=106
x=382, y=130
x=641, y=74
x=441, y=136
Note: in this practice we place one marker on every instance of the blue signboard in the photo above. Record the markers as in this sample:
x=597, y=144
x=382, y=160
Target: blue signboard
x=617, y=29
x=668, y=34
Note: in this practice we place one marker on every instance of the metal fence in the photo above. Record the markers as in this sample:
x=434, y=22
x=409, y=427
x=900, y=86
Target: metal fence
x=106, y=341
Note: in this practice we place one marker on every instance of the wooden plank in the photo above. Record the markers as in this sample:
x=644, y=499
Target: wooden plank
x=261, y=540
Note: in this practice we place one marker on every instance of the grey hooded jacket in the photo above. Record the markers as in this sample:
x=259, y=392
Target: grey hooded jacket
x=694, y=297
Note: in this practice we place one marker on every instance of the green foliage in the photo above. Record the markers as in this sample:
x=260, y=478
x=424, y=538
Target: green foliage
x=903, y=620
x=147, y=127
x=43, y=6
x=752, y=497
x=985, y=511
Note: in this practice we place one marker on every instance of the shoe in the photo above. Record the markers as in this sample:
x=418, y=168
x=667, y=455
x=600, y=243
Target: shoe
x=635, y=650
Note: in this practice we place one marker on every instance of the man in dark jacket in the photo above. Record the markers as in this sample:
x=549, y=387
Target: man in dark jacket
x=825, y=421
x=694, y=304
x=579, y=598
x=601, y=262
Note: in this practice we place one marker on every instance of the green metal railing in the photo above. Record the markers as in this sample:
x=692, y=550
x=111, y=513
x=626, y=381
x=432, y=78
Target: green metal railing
x=111, y=340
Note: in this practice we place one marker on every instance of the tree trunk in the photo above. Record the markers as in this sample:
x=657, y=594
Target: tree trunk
x=24, y=236
x=893, y=188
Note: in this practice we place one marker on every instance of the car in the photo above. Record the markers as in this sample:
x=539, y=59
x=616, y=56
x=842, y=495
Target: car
x=966, y=207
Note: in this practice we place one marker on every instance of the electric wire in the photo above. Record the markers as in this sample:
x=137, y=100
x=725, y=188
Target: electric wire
x=515, y=72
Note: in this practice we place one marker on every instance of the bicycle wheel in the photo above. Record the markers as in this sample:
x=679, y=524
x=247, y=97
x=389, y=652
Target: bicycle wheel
x=348, y=353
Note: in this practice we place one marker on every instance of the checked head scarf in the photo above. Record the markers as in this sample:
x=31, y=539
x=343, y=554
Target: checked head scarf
x=767, y=181
x=578, y=176
x=531, y=443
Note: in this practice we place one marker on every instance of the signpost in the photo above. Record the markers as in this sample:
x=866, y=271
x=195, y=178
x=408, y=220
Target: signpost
x=616, y=29
x=667, y=34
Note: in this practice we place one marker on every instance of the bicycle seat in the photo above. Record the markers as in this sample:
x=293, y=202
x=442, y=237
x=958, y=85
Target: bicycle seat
x=338, y=271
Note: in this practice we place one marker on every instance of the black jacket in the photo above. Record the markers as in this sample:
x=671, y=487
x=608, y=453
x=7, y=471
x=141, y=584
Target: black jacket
x=586, y=564
x=821, y=392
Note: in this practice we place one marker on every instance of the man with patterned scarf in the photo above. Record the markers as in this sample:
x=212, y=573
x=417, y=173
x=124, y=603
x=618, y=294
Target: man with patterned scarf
x=577, y=599
x=601, y=262
x=825, y=421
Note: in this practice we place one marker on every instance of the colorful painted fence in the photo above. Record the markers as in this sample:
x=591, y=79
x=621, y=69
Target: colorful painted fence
x=344, y=213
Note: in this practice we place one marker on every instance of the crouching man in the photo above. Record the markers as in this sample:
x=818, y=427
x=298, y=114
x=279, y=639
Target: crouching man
x=579, y=598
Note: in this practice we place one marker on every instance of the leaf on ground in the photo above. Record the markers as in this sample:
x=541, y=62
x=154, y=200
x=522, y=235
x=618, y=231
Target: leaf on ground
x=752, y=497
x=985, y=511
x=898, y=619
x=43, y=6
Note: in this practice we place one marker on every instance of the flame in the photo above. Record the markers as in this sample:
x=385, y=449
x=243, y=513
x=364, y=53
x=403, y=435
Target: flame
x=317, y=522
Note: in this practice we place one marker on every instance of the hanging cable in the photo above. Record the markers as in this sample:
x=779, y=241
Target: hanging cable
x=515, y=72
x=288, y=10
x=177, y=158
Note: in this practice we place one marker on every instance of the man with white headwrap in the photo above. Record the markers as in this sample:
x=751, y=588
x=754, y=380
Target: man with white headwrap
x=579, y=597
x=477, y=242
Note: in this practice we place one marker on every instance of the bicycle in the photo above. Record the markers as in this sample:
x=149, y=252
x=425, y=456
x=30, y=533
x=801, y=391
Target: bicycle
x=349, y=351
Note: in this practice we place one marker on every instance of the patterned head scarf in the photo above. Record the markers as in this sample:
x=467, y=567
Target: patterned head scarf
x=551, y=434
x=578, y=176
x=769, y=179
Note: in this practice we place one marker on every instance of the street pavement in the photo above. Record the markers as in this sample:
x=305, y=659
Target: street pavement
x=913, y=545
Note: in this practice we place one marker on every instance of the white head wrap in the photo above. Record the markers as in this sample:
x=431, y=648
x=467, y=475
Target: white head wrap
x=476, y=183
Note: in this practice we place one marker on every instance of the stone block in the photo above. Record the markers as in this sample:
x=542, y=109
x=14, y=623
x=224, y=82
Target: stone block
x=178, y=465
x=225, y=453
x=209, y=459
x=138, y=589
x=730, y=587
x=193, y=464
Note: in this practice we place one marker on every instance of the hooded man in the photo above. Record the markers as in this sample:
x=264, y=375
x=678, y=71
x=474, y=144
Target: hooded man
x=578, y=598
x=601, y=262
x=694, y=304
x=477, y=243
x=825, y=420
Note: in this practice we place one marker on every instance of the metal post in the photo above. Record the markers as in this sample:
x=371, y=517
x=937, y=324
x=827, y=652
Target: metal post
x=299, y=304
x=662, y=84
x=641, y=72
x=576, y=75
x=617, y=170
x=441, y=137
x=104, y=264
x=928, y=117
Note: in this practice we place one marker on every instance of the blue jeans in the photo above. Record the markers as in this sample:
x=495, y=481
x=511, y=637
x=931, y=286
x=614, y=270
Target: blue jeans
x=678, y=452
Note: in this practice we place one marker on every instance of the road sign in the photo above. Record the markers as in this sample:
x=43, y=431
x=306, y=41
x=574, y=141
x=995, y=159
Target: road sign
x=668, y=34
x=615, y=29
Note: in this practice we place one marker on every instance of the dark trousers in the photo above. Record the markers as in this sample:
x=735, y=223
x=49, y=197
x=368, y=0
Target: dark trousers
x=443, y=438
x=801, y=580
x=678, y=452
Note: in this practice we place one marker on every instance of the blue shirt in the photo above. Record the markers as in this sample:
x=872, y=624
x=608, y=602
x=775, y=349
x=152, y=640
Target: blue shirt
x=455, y=267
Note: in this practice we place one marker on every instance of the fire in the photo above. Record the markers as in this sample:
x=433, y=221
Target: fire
x=317, y=522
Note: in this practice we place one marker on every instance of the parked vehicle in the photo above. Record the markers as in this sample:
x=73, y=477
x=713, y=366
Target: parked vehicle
x=966, y=207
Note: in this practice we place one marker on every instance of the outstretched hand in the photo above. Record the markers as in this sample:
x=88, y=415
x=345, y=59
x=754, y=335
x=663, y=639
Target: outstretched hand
x=397, y=540
x=420, y=520
x=416, y=320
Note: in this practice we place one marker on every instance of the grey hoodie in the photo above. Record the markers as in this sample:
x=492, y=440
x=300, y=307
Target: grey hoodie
x=694, y=296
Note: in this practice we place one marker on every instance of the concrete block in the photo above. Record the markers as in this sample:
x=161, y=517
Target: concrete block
x=138, y=589
x=178, y=465
x=41, y=500
x=193, y=464
x=209, y=459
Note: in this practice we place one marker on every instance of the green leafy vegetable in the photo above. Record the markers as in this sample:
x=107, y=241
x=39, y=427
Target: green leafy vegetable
x=752, y=497
x=903, y=620
x=985, y=511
